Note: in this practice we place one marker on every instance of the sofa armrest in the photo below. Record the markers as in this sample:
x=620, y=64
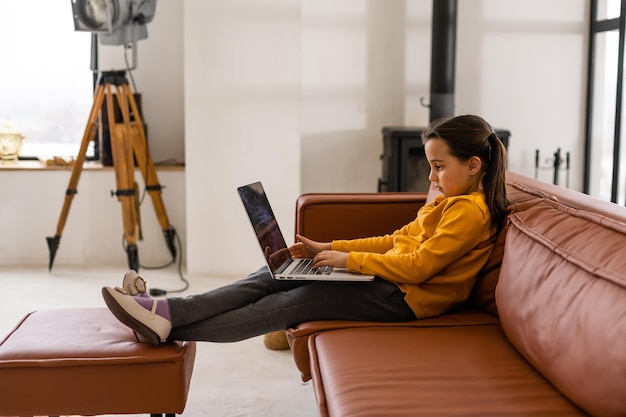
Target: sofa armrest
x=329, y=216
x=325, y=217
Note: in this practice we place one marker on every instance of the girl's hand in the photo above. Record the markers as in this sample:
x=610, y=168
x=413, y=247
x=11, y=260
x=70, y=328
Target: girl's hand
x=307, y=248
x=332, y=258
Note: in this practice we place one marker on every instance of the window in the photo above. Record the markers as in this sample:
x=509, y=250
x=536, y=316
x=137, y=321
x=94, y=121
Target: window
x=46, y=84
x=605, y=163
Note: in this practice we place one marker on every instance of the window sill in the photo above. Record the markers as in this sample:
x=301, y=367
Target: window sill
x=50, y=165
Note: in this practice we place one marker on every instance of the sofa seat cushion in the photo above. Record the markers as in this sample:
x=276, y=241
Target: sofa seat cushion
x=562, y=300
x=298, y=336
x=84, y=362
x=430, y=371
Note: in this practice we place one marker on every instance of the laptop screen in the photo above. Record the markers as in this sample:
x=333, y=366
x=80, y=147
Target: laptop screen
x=265, y=226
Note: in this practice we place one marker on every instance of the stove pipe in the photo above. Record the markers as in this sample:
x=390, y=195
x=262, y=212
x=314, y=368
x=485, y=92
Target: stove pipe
x=443, y=53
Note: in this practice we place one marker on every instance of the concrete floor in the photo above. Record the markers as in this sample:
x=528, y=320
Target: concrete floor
x=234, y=380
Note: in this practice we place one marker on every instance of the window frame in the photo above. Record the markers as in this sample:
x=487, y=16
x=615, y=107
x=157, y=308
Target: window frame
x=597, y=27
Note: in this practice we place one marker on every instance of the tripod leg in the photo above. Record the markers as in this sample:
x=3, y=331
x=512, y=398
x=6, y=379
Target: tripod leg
x=89, y=135
x=148, y=171
x=121, y=149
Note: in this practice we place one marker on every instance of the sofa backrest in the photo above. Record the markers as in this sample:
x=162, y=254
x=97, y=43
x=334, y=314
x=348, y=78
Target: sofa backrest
x=329, y=216
x=561, y=295
x=483, y=293
x=523, y=189
x=523, y=193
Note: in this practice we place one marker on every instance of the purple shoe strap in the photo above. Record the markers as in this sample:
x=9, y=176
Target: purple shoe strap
x=163, y=307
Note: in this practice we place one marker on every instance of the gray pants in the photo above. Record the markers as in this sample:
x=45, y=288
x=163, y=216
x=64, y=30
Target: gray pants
x=259, y=304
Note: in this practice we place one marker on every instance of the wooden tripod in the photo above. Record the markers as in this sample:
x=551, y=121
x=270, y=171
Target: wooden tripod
x=128, y=139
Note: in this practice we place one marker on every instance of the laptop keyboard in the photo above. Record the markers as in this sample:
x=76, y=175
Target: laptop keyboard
x=305, y=267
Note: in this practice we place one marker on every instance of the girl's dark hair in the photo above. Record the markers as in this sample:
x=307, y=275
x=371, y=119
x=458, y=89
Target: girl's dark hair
x=468, y=136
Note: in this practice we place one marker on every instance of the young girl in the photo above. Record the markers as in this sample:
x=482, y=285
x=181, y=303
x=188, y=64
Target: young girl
x=422, y=270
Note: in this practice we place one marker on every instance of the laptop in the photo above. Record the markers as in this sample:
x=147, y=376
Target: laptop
x=275, y=250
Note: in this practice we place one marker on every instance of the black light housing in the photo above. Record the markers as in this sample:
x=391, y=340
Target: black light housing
x=116, y=22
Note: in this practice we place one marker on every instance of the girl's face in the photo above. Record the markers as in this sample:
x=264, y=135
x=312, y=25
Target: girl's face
x=450, y=175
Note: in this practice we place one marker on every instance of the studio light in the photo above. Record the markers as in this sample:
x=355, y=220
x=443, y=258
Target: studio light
x=116, y=22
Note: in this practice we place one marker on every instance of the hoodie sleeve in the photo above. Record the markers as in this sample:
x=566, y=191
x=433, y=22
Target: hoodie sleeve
x=421, y=249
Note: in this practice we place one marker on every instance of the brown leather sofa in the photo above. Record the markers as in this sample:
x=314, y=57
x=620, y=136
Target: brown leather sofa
x=543, y=333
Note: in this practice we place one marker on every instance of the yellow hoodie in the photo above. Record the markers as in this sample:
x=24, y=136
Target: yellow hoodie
x=434, y=259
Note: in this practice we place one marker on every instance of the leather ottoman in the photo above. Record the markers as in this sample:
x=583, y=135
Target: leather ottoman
x=84, y=362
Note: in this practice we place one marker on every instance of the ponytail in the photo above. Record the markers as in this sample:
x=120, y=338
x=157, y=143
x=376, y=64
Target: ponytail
x=494, y=183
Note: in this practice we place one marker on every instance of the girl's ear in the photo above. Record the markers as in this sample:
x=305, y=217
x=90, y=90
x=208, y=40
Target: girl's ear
x=475, y=165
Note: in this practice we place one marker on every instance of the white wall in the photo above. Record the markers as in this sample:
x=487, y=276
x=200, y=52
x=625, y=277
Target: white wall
x=249, y=84
x=366, y=64
x=522, y=65
x=353, y=84
x=93, y=233
x=242, y=124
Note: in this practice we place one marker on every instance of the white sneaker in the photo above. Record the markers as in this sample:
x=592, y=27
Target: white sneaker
x=135, y=285
x=147, y=323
